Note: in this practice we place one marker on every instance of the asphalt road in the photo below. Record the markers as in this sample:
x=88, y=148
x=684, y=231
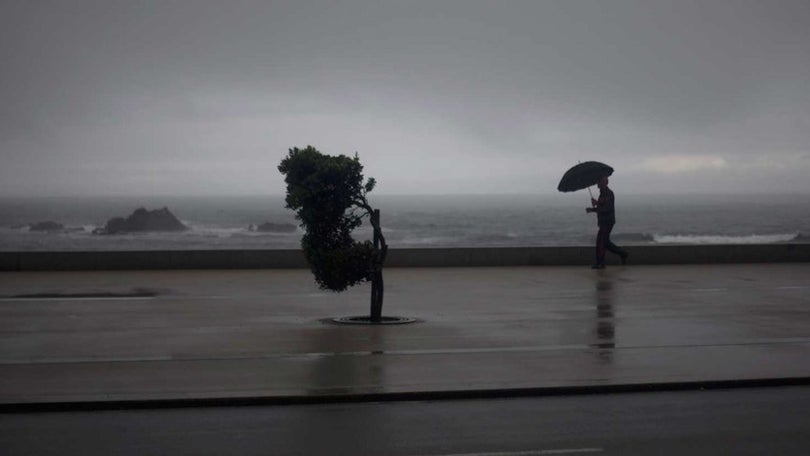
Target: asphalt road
x=739, y=422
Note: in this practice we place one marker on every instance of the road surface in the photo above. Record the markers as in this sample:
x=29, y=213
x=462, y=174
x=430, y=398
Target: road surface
x=739, y=422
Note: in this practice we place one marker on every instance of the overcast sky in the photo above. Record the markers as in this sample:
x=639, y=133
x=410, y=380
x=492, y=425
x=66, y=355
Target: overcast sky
x=206, y=97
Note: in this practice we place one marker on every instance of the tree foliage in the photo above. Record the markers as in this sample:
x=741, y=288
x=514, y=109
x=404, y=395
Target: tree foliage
x=328, y=194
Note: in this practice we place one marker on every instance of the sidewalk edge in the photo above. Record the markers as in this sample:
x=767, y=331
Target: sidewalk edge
x=502, y=393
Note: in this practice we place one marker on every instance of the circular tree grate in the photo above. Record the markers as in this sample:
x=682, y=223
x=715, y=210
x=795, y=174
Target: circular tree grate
x=366, y=320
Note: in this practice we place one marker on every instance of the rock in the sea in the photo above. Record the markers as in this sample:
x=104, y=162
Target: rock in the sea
x=143, y=220
x=268, y=227
x=46, y=226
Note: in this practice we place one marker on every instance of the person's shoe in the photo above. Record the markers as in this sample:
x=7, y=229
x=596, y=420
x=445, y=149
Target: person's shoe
x=624, y=258
x=598, y=266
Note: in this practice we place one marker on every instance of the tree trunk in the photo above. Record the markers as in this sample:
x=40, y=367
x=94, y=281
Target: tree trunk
x=377, y=288
x=377, y=296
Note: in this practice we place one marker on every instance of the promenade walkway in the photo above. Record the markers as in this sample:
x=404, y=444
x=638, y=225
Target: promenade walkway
x=172, y=338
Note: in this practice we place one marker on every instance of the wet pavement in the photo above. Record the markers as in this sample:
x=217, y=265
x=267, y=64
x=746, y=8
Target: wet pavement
x=171, y=336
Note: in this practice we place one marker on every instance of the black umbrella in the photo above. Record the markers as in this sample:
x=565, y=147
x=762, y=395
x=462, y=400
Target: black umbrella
x=583, y=175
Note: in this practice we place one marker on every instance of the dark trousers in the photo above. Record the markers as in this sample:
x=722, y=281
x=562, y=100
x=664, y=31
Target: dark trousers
x=603, y=244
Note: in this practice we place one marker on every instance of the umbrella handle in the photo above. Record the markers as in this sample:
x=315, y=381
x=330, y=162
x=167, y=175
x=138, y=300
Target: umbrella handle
x=591, y=193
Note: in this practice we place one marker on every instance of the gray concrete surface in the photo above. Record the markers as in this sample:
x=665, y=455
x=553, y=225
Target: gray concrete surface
x=428, y=257
x=93, y=337
x=739, y=422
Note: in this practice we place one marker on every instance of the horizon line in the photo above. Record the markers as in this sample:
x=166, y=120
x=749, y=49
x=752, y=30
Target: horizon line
x=416, y=194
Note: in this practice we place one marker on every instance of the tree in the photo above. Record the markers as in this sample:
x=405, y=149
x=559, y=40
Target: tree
x=329, y=196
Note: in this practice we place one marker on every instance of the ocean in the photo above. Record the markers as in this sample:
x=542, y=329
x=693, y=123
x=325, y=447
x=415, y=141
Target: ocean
x=415, y=221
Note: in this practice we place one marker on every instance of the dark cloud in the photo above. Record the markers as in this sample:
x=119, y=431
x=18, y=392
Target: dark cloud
x=462, y=84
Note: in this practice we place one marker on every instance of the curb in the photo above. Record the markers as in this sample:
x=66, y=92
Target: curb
x=505, y=393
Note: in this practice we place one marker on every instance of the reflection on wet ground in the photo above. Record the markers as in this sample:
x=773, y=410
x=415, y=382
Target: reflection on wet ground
x=605, y=331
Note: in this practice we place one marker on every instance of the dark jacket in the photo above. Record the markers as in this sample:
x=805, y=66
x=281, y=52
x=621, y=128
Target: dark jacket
x=605, y=208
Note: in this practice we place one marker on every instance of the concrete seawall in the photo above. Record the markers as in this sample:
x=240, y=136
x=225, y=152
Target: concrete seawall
x=451, y=257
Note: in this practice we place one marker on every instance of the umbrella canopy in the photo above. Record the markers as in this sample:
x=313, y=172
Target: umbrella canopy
x=583, y=175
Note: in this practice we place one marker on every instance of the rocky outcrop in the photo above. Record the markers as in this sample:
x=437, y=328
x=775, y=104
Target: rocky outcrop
x=46, y=226
x=268, y=227
x=143, y=220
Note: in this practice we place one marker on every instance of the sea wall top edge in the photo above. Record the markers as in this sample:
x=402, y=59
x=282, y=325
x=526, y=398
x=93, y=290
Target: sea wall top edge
x=420, y=257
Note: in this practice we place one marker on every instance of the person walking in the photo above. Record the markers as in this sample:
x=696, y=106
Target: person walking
x=605, y=209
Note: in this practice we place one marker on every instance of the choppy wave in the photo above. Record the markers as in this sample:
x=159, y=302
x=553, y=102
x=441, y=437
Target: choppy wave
x=644, y=238
x=631, y=238
x=724, y=239
x=229, y=232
